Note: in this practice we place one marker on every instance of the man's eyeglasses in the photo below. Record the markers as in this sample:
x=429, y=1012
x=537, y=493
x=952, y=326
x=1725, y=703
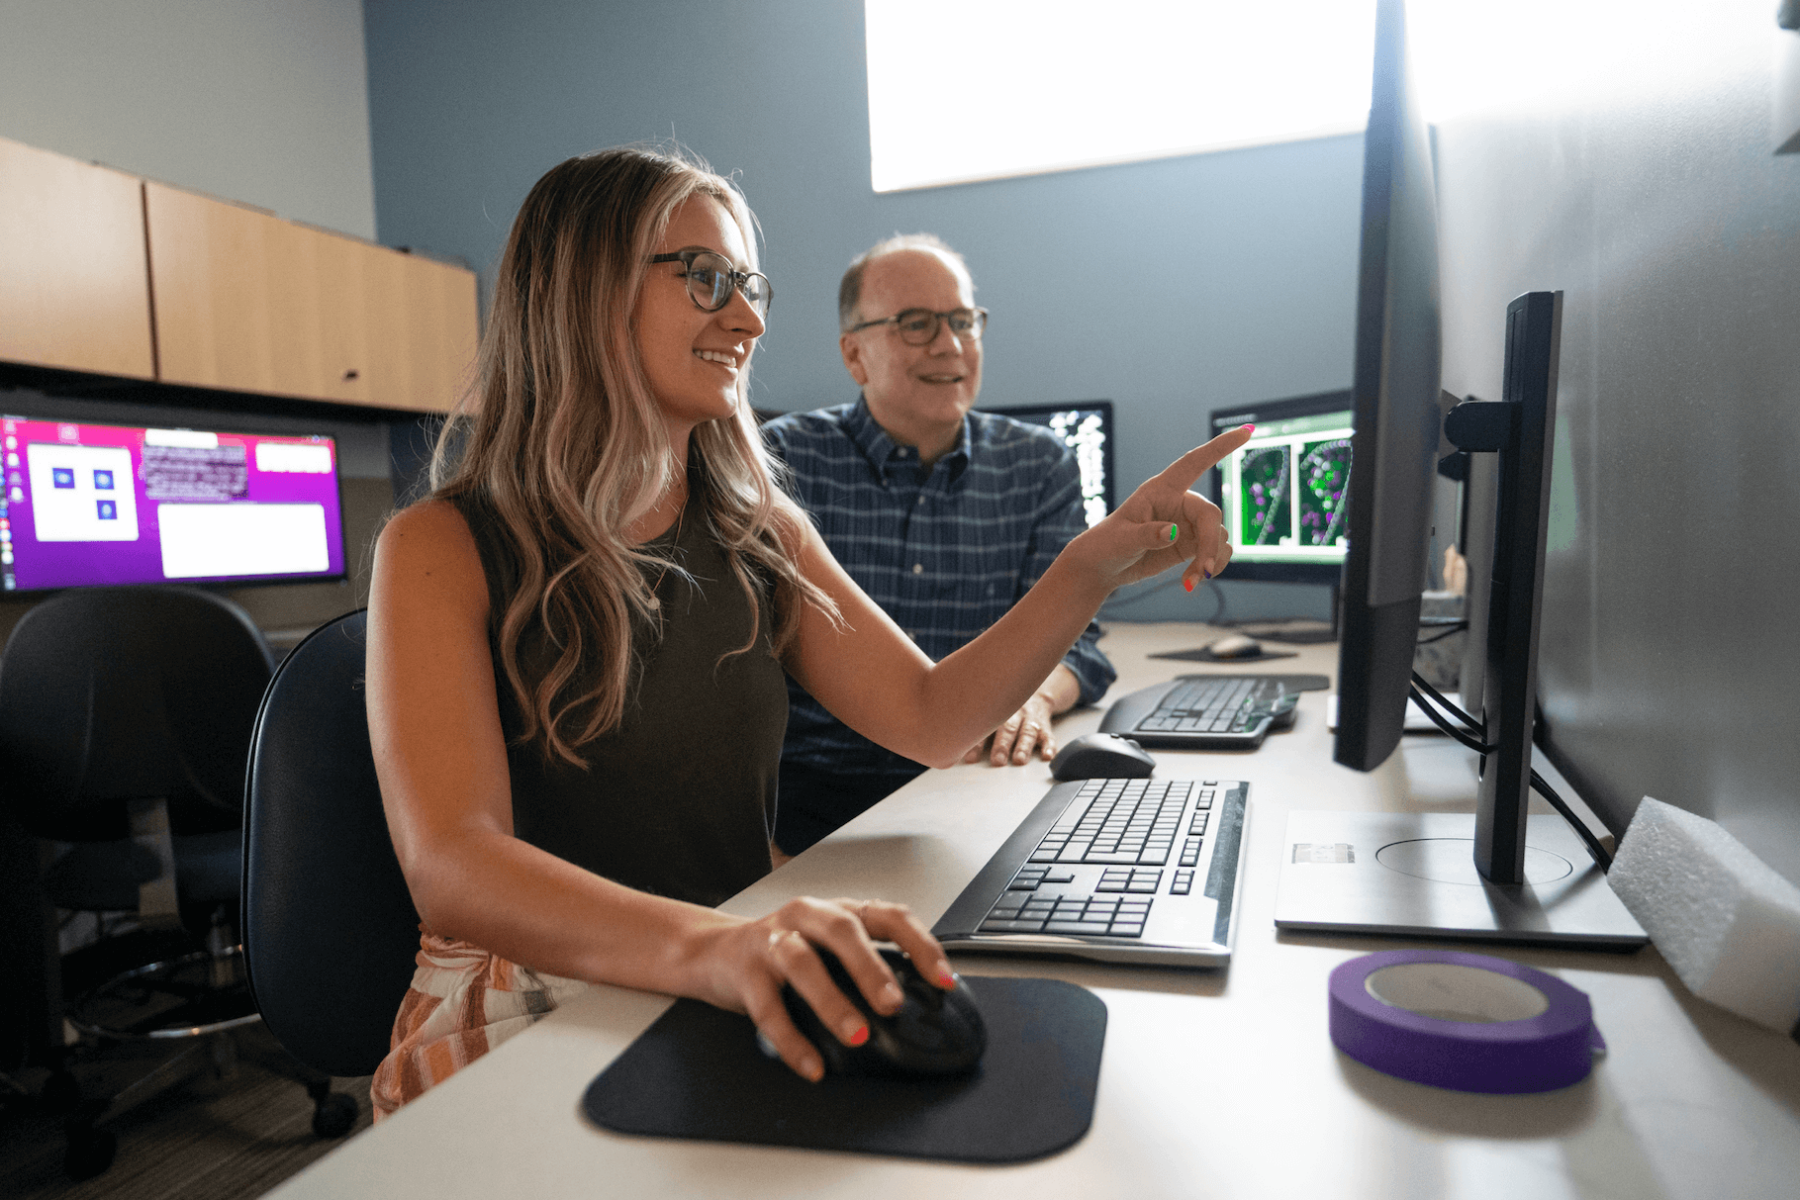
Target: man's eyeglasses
x=711, y=278
x=919, y=326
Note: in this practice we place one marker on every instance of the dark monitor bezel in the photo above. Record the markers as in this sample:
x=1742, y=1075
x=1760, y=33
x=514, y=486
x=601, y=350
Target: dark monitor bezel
x=1222, y=419
x=1398, y=419
x=1017, y=411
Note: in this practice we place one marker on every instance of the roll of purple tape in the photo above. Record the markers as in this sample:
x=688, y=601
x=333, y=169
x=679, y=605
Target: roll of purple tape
x=1501, y=1027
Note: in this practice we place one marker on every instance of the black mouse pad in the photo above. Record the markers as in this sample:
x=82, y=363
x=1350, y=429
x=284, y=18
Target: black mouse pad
x=697, y=1073
x=1202, y=654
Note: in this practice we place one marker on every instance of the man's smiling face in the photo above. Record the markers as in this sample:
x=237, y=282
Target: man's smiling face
x=917, y=393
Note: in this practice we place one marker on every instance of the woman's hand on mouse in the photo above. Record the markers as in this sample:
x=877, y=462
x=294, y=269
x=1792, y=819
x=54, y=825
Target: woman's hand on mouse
x=1163, y=523
x=748, y=963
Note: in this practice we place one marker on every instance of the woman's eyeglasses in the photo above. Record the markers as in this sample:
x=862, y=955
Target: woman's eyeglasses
x=919, y=326
x=711, y=278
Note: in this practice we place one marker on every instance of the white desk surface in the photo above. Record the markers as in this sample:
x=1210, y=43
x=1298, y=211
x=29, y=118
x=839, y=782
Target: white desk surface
x=1213, y=1083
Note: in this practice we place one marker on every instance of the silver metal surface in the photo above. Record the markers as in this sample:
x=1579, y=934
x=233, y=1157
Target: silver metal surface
x=1413, y=874
x=1646, y=189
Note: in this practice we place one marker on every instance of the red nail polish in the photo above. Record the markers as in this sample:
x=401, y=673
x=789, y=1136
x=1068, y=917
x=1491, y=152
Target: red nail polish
x=860, y=1036
x=1188, y=584
x=946, y=980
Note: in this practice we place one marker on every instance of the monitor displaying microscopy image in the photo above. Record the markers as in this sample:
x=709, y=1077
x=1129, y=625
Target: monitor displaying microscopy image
x=1283, y=494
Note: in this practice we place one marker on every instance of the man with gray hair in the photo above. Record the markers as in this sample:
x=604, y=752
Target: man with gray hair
x=944, y=516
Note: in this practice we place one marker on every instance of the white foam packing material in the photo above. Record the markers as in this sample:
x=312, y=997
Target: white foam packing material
x=1723, y=919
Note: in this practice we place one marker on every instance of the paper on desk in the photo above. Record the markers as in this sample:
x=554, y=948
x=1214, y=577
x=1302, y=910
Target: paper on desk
x=1416, y=720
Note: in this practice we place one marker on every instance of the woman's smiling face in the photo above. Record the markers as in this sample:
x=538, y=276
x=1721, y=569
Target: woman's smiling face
x=695, y=360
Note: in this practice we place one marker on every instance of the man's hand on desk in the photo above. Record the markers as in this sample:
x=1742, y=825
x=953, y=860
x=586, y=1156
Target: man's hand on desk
x=1028, y=732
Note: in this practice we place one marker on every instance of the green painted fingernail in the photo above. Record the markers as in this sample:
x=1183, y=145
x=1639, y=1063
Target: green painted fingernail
x=1173, y=530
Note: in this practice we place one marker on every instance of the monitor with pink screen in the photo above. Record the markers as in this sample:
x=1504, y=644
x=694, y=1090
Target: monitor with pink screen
x=92, y=505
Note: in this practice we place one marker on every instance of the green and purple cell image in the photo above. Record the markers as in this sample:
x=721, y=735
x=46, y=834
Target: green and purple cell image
x=1265, y=509
x=1324, y=474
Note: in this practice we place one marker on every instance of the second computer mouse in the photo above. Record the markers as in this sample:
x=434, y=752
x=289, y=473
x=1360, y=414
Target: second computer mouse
x=935, y=1032
x=1234, y=645
x=1102, y=756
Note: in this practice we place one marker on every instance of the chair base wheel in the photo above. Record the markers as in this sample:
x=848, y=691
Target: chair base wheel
x=335, y=1115
x=90, y=1152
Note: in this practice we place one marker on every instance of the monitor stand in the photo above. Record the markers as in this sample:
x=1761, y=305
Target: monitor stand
x=1413, y=875
x=1492, y=875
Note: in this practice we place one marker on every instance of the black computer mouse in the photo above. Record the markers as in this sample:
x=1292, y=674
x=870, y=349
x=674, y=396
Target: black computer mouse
x=935, y=1032
x=1102, y=756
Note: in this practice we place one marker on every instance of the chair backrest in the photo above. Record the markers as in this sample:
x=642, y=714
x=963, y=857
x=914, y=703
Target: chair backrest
x=125, y=693
x=329, y=927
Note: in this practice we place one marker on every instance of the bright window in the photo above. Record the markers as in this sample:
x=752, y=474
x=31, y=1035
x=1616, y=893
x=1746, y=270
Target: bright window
x=961, y=90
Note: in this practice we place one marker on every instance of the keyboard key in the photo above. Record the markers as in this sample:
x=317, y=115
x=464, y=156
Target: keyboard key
x=1127, y=929
x=1077, y=928
x=992, y=925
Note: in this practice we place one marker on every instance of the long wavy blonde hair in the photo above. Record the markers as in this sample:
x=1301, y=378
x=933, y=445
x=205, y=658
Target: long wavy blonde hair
x=560, y=434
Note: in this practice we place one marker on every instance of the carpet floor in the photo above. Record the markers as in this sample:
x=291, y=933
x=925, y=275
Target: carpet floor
x=230, y=1138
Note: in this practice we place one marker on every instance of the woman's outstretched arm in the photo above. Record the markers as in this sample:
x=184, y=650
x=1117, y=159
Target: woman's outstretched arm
x=440, y=755
x=874, y=679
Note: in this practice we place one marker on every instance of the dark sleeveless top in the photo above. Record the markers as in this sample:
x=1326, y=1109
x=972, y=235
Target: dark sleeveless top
x=679, y=799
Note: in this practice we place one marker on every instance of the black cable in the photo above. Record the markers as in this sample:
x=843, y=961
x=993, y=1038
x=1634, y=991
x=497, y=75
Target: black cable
x=1594, y=848
x=1455, y=629
x=1469, y=723
x=1443, y=723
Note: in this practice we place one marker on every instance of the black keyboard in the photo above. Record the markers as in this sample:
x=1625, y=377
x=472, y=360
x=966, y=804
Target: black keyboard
x=1123, y=870
x=1204, y=712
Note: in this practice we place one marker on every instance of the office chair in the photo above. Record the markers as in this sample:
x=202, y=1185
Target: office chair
x=330, y=932
x=125, y=721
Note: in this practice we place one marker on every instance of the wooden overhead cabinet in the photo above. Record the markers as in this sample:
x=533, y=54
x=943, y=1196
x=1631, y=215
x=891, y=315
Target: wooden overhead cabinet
x=248, y=302
x=422, y=326
x=74, y=291
x=103, y=272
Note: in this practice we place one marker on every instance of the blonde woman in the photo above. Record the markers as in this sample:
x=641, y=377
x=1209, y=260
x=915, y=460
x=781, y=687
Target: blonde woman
x=577, y=643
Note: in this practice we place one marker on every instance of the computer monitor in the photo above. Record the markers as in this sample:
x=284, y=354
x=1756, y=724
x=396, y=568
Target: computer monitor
x=1086, y=427
x=1435, y=873
x=1283, y=494
x=90, y=505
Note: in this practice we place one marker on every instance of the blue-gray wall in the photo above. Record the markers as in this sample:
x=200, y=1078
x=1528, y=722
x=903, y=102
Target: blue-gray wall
x=1170, y=287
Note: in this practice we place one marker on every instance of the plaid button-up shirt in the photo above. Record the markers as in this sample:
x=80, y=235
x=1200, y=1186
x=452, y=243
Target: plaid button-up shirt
x=945, y=550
